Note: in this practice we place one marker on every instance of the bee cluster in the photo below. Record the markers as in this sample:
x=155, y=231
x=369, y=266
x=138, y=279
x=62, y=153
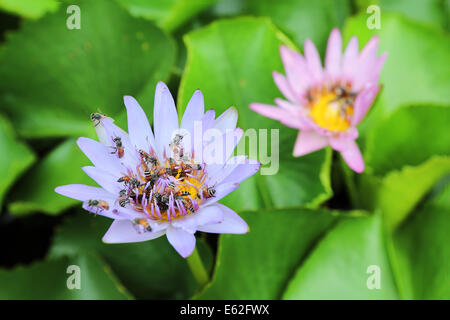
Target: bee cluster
x=166, y=190
x=342, y=98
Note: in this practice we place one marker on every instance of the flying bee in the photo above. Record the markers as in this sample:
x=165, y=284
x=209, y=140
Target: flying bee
x=142, y=224
x=96, y=118
x=98, y=204
x=209, y=192
x=118, y=147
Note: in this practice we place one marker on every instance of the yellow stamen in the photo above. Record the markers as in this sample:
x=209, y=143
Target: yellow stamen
x=330, y=111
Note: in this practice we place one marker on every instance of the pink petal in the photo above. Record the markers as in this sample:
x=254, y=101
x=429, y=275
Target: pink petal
x=231, y=223
x=351, y=154
x=313, y=61
x=181, y=240
x=139, y=129
x=366, y=63
x=377, y=69
x=296, y=70
x=123, y=231
x=307, y=142
x=297, y=115
x=363, y=103
x=284, y=86
x=350, y=59
x=268, y=111
x=333, y=55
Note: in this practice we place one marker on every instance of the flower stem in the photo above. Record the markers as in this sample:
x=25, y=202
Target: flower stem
x=350, y=183
x=197, y=268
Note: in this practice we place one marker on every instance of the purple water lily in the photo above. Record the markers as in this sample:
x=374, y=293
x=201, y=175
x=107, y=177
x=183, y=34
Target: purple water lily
x=156, y=184
x=326, y=104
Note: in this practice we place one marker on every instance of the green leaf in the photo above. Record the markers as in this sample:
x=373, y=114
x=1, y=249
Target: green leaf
x=410, y=185
x=16, y=157
x=74, y=72
x=299, y=19
x=37, y=192
x=32, y=9
x=237, y=58
x=49, y=279
x=149, y=270
x=258, y=265
x=338, y=266
x=423, y=252
x=168, y=14
x=425, y=128
x=413, y=72
x=430, y=11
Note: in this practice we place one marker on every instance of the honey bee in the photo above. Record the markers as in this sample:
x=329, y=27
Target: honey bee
x=189, y=206
x=345, y=99
x=209, y=192
x=123, y=201
x=124, y=179
x=118, y=148
x=194, y=166
x=96, y=117
x=143, y=224
x=148, y=159
x=98, y=204
x=134, y=183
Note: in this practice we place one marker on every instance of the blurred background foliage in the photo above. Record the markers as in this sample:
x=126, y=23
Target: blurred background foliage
x=315, y=226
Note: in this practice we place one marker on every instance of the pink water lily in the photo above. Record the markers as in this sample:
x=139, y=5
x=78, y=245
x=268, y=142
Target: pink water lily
x=326, y=104
x=154, y=184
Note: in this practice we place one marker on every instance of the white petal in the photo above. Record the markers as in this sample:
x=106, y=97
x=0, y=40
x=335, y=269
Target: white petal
x=106, y=180
x=100, y=155
x=139, y=129
x=123, y=231
x=204, y=216
x=165, y=118
x=194, y=112
x=227, y=120
x=83, y=192
x=181, y=240
x=232, y=223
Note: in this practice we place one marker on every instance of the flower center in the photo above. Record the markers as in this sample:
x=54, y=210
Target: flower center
x=165, y=191
x=332, y=108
